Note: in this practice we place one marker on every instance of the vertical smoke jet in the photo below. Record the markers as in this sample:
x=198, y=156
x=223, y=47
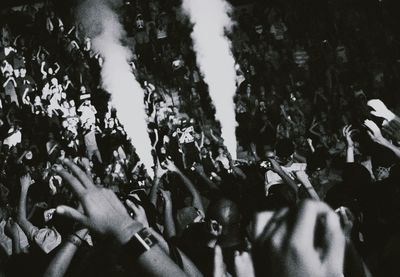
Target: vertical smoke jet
x=103, y=26
x=211, y=22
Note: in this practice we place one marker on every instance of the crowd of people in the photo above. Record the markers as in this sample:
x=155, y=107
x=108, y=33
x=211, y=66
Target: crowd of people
x=313, y=191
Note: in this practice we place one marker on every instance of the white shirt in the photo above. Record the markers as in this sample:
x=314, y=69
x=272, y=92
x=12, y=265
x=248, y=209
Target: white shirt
x=272, y=178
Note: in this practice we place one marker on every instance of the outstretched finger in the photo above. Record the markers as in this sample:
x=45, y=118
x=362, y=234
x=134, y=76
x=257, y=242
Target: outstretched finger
x=79, y=173
x=219, y=267
x=334, y=240
x=73, y=214
x=75, y=184
x=306, y=221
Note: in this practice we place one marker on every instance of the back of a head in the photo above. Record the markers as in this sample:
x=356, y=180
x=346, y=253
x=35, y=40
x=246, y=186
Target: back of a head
x=225, y=211
x=356, y=175
x=284, y=148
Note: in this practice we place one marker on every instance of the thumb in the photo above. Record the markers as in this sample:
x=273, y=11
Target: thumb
x=73, y=214
x=375, y=113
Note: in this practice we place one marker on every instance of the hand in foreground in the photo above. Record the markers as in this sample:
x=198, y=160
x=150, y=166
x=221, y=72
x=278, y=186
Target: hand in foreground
x=380, y=110
x=137, y=212
x=103, y=212
x=373, y=131
x=304, y=243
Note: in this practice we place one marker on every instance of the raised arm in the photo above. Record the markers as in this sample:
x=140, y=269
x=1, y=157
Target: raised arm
x=347, y=133
x=303, y=179
x=62, y=260
x=107, y=216
x=140, y=215
x=197, y=203
x=23, y=222
x=278, y=170
x=169, y=224
x=376, y=135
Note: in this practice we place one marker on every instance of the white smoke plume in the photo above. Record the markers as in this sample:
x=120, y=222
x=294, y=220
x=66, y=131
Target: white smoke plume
x=211, y=24
x=103, y=25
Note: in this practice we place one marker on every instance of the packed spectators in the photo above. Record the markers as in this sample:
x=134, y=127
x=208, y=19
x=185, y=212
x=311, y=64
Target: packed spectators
x=314, y=190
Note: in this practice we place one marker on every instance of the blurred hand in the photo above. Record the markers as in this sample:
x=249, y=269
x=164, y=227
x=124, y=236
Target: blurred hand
x=304, y=243
x=380, y=110
x=346, y=220
x=219, y=266
x=373, y=131
x=103, y=211
x=244, y=265
x=347, y=133
x=11, y=229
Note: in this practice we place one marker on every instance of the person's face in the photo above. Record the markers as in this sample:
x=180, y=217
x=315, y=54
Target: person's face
x=221, y=151
x=51, y=71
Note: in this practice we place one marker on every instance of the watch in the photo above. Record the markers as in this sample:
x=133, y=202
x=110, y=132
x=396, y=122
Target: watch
x=140, y=242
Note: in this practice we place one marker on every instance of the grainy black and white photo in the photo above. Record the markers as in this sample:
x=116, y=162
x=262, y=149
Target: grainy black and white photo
x=215, y=138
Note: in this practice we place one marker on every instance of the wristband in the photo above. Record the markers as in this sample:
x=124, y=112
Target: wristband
x=141, y=242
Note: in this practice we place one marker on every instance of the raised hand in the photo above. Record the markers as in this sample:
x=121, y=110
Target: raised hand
x=103, y=211
x=304, y=243
x=219, y=266
x=26, y=181
x=380, y=110
x=170, y=166
x=373, y=131
x=244, y=265
x=347, y=133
